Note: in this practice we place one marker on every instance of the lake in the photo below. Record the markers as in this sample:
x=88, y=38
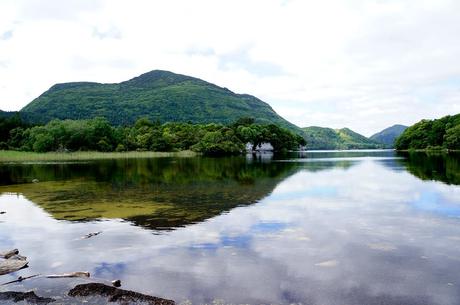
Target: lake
x=336, y=227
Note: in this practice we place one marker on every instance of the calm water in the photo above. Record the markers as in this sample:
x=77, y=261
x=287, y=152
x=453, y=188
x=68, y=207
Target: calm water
x=362, y=227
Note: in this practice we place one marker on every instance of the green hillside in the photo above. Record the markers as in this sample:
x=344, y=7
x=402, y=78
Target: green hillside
x=158, y=95
x=429, y=134
x=328, y=138
x=389, y=135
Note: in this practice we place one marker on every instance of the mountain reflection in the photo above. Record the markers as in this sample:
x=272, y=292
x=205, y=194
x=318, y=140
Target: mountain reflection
x=166, y=193
x=326, y=230
x=153, y=193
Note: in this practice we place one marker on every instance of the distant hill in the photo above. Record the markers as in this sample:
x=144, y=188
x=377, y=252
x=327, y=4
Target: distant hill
x=389, y=135
x=345, y=138
x=158, y=95
x=432, y=134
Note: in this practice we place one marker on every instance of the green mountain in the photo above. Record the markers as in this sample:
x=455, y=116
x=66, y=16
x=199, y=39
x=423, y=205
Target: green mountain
x=345, y=138
x=6, y=114
x=429, y=134
x=389, y=135
x=158, y=95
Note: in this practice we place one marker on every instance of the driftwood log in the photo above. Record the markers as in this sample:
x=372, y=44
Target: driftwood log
x=79, y=274
x=83, y=274
x=113, y=294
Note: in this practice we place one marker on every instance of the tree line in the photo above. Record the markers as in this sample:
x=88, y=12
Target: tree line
x=443, y=133
x=99, y=135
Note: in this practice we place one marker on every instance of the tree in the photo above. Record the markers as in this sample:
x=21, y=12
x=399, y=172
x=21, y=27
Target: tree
x=452, y=138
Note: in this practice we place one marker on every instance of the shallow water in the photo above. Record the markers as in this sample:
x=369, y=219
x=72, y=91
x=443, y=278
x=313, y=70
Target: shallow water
x=360, y=227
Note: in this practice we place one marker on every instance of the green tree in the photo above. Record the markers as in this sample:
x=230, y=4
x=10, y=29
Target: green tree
x=452, y=138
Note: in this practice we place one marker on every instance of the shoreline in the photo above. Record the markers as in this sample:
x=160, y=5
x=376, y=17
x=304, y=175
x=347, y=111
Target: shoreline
x=429, y=150
x=22, y=156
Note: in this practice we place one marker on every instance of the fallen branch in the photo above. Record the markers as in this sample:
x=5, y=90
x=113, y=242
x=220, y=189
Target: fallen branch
x=91, y=235
x=78, y=274
x=69, y=275
x=20, y=279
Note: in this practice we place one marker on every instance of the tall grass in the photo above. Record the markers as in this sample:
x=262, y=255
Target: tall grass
x=20, y=156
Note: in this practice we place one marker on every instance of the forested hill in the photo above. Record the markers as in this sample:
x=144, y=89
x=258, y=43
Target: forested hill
x=432, y=134
x=345, y=138
x=389, y=135
x=157, y=95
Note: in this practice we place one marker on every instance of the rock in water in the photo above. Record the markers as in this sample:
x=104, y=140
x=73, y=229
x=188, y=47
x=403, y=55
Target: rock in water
x=29, y=297
x=10, y=253
x=113, y=294
x=12, y=265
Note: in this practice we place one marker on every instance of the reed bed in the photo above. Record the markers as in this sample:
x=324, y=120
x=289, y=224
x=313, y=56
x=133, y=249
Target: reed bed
x=20, y=156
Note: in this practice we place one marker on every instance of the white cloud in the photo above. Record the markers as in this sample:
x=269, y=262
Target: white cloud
x=361, y=64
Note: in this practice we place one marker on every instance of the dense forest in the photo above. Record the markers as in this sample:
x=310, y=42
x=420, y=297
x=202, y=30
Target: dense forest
x=432, y=134
x=99, y=135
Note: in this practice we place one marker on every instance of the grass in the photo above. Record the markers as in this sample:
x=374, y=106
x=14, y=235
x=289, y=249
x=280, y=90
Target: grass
x=20, y=156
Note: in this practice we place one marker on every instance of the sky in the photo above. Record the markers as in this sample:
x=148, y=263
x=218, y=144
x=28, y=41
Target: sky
x=365, y=65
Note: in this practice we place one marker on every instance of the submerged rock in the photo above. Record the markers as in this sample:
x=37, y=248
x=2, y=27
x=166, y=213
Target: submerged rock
x=113, y=294
x=29, y=297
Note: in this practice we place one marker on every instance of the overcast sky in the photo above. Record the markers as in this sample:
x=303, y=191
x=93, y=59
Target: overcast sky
x=360, y=64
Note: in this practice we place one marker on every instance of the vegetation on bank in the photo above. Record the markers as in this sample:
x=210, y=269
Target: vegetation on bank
x=345, y=138
x=98, y=135
x=25, y=156
x=443, y=133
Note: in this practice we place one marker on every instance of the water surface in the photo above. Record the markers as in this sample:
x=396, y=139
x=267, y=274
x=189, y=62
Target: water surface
x=359, y=227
